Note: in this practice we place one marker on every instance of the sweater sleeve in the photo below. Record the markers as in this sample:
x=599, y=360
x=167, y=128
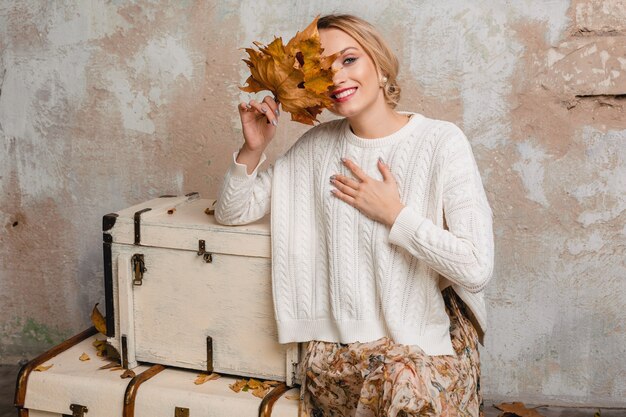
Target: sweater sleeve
x=464, y=252
x=244, y=198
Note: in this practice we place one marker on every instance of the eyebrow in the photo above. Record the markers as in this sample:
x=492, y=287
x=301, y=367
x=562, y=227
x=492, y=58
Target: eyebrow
x=345, y=49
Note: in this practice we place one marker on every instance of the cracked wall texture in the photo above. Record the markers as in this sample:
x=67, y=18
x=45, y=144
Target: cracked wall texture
x=104, y=104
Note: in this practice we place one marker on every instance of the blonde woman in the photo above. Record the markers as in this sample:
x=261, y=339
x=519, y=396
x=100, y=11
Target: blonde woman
x=381, y=241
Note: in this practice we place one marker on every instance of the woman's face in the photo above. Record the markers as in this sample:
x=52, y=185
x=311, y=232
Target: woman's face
x=356, y=83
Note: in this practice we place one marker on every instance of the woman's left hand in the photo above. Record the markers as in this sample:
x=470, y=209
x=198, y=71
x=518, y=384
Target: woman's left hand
x=378, y=200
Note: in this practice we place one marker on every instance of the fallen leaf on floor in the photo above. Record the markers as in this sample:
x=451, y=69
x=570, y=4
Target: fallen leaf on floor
x=517, y=409
x=597, y=414
x=202, y=378
x=127, y=374
x=101, y=346
x=293, y=397
x=98, y=343
x=84, y=357
x=42, y=368
x=254, y=383
x=237, y=386
x=116, y=368
x=98, y=320
x=260, y=391
x=270, y=383
x=110, y=365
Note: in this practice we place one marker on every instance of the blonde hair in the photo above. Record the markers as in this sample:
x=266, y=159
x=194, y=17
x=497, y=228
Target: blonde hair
x=374, y=45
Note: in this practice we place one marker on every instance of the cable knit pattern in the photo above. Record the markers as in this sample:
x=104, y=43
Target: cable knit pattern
x=339, y=276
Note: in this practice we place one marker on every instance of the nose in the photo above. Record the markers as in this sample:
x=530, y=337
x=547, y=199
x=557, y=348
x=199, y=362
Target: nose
x=339, y=76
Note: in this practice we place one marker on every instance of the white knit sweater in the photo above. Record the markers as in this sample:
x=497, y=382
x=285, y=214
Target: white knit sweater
x=338, y=275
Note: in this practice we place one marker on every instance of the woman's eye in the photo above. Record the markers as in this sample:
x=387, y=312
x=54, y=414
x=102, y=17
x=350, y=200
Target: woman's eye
x=349, y=60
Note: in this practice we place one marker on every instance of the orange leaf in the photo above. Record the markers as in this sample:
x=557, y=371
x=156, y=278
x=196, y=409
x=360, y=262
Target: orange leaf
x=297, y=73
x=260, y=391
x=84, y=357
x=202, y=378
x=42, y=368
x=517, y=409
x=237, y=386
x=98, y=320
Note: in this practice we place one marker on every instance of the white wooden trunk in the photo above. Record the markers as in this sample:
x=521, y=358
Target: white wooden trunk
x=72, y=381
x=183, y=298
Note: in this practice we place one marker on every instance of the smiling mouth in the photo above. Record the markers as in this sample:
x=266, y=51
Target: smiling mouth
x=343, y=95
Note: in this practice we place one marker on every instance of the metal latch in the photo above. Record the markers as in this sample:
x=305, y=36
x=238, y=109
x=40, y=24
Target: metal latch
x=181, y=412
x=139, y=267
x=207, y=256
x=77, y=410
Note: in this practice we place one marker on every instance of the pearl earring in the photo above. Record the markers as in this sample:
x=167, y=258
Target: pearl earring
x=383, y=81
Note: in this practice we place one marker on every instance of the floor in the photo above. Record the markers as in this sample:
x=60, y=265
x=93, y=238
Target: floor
x=8, y=376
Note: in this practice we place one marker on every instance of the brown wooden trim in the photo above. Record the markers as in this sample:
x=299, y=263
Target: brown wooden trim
x=22, y=412
x=265, y=408
x=22, y=376
x=133, y=387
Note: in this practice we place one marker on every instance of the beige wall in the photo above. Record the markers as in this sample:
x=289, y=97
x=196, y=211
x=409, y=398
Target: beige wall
x=106, y=104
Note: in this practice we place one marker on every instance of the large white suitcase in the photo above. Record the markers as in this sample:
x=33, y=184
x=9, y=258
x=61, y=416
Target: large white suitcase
x=185, y=291
x=71, y=387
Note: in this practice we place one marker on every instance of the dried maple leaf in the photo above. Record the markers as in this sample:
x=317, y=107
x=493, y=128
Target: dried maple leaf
x=127, y=374
x=84, y=357
x=237, y=386
x=254, y=383
x=297, y=74
x=292, y=397
x=42, y=368
x=98, y=320
x=202, y=378
x=260, y=391
x=517, y=409
x=101, y=346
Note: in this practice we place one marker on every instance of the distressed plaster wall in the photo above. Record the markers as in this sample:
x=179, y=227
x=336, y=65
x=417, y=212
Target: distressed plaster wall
x=104, y=104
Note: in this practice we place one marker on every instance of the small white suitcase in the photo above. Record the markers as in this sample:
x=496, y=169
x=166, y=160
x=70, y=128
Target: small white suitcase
x=185, y=291
x=71, y=387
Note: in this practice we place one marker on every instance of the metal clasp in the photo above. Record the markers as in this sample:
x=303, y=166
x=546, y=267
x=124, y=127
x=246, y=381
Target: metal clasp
x=207, y=256
x=181, y=412
x=139, y=267
x=77, y=410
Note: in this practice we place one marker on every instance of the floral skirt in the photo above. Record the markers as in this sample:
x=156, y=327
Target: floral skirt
x=382, y=378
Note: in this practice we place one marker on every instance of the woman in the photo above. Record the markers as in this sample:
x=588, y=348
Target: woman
x=381, y=239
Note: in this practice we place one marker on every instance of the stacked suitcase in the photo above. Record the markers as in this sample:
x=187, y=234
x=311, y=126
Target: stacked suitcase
x=184, y=295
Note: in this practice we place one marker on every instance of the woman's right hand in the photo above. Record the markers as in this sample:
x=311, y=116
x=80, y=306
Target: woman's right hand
x=259, y=121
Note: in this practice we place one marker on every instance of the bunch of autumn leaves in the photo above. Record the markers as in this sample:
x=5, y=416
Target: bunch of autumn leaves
x=297, y=74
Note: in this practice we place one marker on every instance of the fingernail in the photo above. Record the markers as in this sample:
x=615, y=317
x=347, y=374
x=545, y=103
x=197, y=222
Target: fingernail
x=380, y=159
x=248, y=106
x=263, y=109
x=276, y=112
x=274, y=122
x=332, y=177
x=343, y=159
